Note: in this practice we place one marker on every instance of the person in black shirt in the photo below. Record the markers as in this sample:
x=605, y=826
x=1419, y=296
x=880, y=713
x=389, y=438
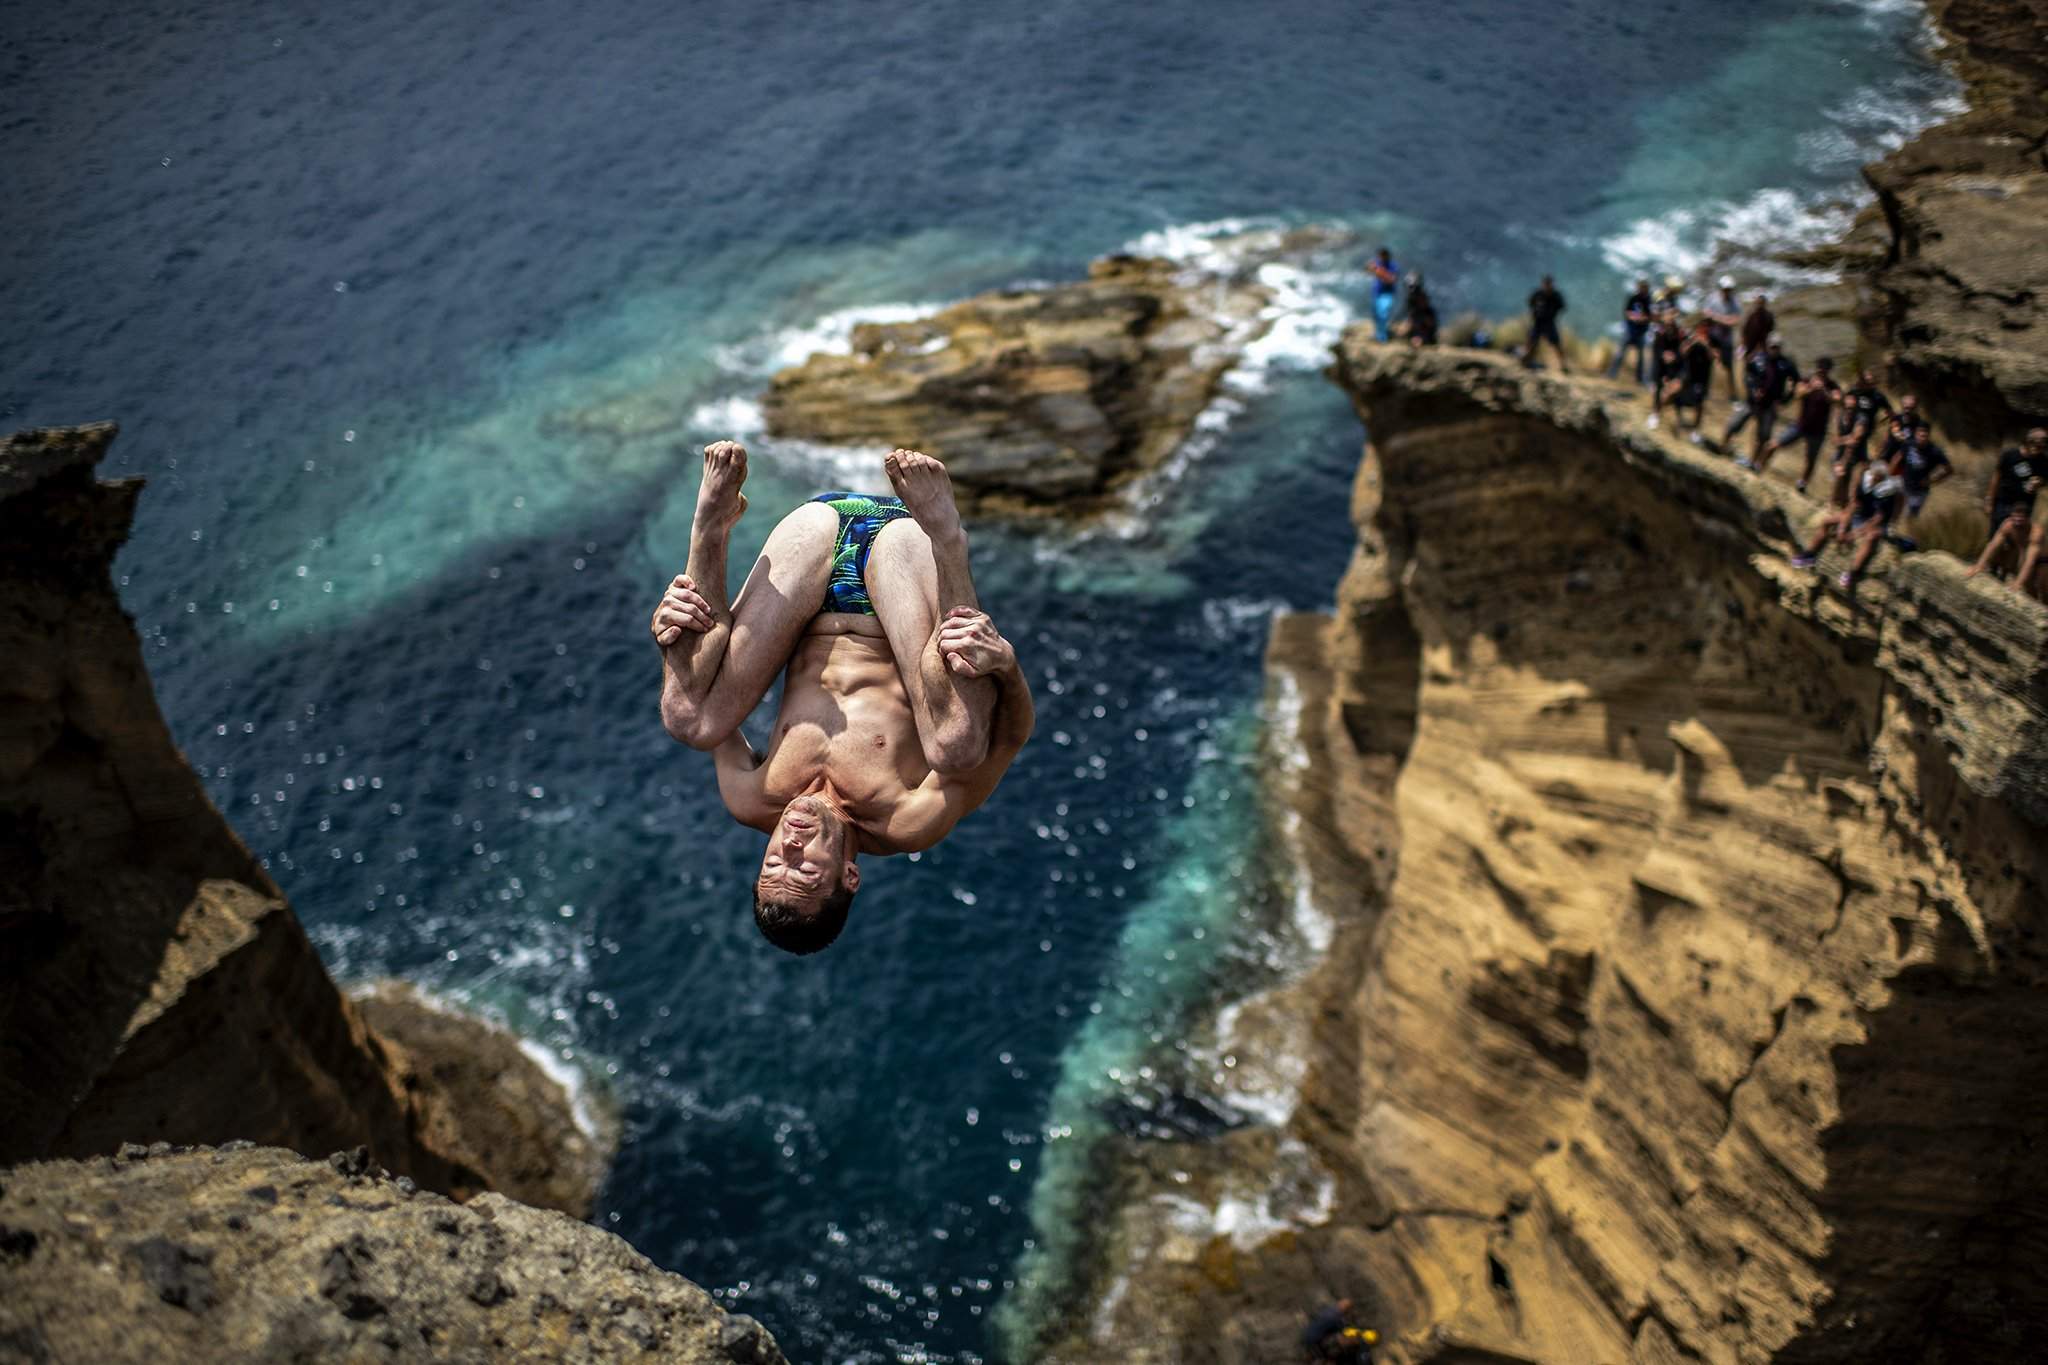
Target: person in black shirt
x=1635, y=329
x=2010, y=502
x=1695, y=372
x=1667, y=340
x=1919, y=464
x=1862, y=407
x=1421, y=310
x=1865, y=520
x=1544, y=307
x=1817, y=393
x=1768, y=376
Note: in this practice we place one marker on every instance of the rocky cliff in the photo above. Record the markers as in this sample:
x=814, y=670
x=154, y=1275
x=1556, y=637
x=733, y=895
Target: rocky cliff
x=1956, y=265
x=1687, y=996
x=1044, y=399
x=154, y=985
x=254, y=1254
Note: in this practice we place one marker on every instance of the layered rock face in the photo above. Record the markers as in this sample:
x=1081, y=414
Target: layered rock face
x=1687, y=995
x=154, y=985
x=254, y=1254
x=1961, y=272
x=1036, y=398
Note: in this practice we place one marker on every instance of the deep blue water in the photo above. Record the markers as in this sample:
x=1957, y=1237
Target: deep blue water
x=352, y=282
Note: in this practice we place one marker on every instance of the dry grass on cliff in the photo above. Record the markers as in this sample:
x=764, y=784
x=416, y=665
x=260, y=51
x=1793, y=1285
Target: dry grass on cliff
x=1959, y=530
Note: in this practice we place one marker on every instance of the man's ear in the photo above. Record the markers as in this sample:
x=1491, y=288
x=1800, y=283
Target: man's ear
x=849, y=876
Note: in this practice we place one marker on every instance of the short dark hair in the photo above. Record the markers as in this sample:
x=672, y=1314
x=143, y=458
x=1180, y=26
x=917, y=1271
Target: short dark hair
x=794, y=929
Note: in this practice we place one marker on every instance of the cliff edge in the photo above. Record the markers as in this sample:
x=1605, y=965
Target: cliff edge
x=253, y=1254
x=154, y=984
x=1686, y=995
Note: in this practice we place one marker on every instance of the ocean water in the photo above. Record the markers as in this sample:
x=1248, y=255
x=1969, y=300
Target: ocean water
x=415, y=316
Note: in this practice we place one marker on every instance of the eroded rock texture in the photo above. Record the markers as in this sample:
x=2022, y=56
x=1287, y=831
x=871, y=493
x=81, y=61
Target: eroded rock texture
x=154, y=985
x=1037, y=398
x=1963, y=278
x=255, y=1254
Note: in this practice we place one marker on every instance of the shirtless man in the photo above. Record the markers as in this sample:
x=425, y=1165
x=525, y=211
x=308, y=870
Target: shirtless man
x=901, y=704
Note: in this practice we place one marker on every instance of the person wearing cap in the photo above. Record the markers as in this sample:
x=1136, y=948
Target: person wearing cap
x=1635, y=329
x=1818, y=393
x=1724, y=315
x=1767, y=376
x=1671, y=298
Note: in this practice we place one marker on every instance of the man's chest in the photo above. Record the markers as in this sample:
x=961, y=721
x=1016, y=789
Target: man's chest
x=865, y=747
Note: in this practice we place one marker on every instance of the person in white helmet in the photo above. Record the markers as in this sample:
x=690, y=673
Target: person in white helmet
x=1724, y=315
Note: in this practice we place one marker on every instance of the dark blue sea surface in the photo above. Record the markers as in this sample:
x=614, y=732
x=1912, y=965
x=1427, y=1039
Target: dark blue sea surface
x=414, y=316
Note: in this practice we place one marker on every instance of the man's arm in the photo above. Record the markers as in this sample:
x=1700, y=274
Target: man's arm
x=741, y=779
x=928, y=813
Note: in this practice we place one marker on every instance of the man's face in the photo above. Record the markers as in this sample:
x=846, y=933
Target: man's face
x=805, y=861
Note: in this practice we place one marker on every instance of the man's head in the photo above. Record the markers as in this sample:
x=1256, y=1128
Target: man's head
x=1868, y=379
x=1776, y=344
x=1546, y=281
x=1642, y=286
x=807, y=877
x=1727, y=283
x=2037, y=440
x=1825, y=364
x=1386, y=254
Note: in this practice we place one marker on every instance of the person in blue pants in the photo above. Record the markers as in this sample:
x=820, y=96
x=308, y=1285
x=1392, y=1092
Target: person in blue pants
x=1386, y=280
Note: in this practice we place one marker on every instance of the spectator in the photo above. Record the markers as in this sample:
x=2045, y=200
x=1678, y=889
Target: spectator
x=1862, y=406
x=1818, y=393
x=2010, y=503
x=1724, y=315
x=1767, y=377
x=1544, y=307
x=1864, y=521
x=1900, y=429
x=1667, y=345
x=1635, y=329
x=1918, y=464
x=1695, y=372
x=1671, y=299
x=1386, y=279
x=1421, y=310
x=1757, y=328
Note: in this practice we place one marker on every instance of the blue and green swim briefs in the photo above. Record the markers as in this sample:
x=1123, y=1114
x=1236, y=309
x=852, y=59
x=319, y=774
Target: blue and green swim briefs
x=861, y=519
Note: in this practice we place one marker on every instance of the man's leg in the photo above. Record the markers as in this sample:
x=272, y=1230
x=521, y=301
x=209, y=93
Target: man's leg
x=714, y=675
x=2030, y=560
x=917, y=572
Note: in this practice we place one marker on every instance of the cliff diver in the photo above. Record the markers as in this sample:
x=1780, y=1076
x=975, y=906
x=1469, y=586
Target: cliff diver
x=902, y=705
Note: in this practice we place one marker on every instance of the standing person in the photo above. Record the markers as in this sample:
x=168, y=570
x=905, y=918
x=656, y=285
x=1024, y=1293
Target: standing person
x=1863, y=406
x=1386, y=280
x=1757, y=328
x=1671, y=298
x=1544, y=307
x=1635, y=329
x=1667, y=340
x=1695, y=373
x=1919, y=464
x=1724, y=315
x=1421, y=310
x=2009, y=501
x=1767, y=376
x=1900, y=429
x=1818, y=393
x=1864, y=521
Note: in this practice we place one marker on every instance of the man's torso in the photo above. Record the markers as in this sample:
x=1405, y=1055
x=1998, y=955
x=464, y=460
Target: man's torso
x=845, y=718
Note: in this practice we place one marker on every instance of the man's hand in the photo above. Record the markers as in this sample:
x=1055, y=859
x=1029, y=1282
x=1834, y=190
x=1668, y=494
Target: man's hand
x=682, y=608
x=971, y=645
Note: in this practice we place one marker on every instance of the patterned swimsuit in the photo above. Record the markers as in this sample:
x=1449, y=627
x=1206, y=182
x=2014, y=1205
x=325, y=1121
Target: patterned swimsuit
x=861, y=519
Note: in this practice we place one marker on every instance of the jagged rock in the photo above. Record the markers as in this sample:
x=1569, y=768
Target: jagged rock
x=154, y=984
x=1039, y=399
x=1689, y=995
x=1964, y=280
x=259, y=1255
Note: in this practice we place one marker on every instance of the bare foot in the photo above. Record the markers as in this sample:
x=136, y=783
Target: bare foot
x=926, y=489
x=719, y=500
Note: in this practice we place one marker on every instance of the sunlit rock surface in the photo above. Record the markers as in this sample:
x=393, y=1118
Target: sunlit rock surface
x=1045, y=398
x=255, y=1254
x=1688, y=997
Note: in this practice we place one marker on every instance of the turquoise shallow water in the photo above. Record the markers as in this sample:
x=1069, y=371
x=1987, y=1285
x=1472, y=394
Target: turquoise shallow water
x=355, y=283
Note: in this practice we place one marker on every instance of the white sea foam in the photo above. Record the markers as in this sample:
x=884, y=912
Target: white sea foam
x=779, y=348
x=1751, y=233
x=732, y=415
